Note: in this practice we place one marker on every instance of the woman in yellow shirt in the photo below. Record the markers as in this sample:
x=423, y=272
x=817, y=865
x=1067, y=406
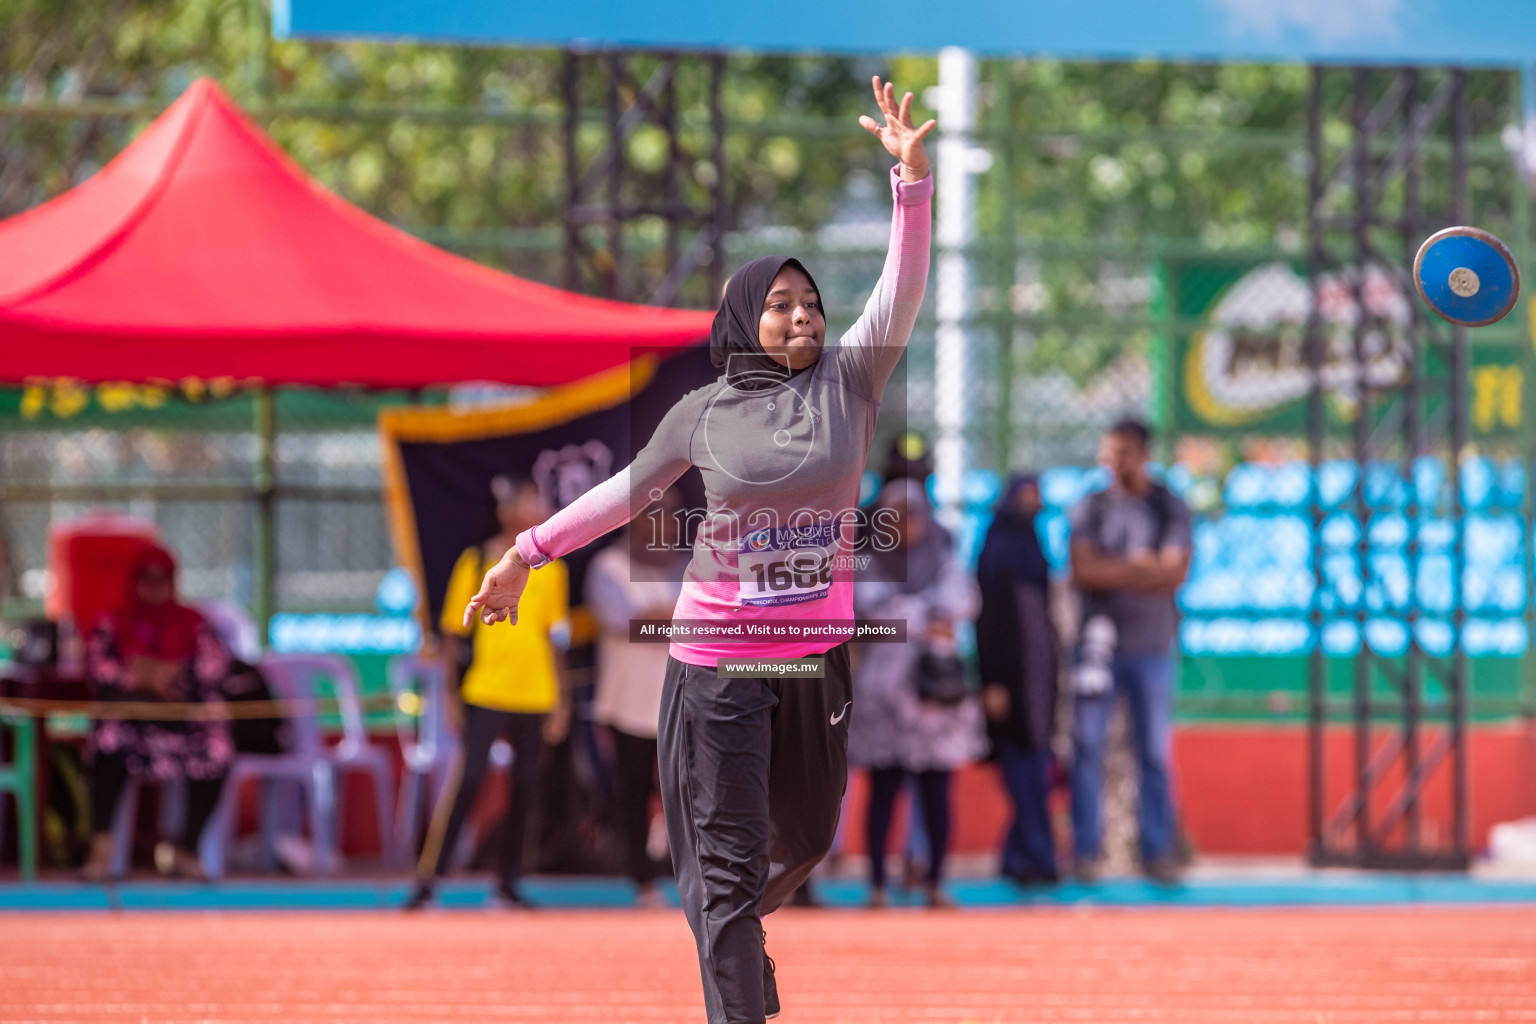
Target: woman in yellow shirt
x=513, y=687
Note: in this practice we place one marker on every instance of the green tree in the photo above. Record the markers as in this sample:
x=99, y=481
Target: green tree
x=461, y=144
x=1102, y=167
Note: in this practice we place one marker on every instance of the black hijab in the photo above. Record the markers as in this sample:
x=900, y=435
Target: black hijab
x=1012, y=548
x=733, y=339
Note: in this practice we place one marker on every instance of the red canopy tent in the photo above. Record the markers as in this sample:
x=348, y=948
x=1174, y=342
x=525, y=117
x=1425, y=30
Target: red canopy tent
x=203, y=251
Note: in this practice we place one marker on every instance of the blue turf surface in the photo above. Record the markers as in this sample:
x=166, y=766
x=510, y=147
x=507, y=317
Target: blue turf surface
x=1327, y=889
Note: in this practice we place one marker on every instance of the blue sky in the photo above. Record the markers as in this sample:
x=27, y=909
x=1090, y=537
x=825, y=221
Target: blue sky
x=1433, y=31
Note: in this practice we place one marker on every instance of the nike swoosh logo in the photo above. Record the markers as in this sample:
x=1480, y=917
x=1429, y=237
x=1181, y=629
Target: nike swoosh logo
x=841, y=714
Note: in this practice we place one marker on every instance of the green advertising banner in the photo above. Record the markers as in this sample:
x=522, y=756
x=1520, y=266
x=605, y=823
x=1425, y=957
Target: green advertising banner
x=1236, y=355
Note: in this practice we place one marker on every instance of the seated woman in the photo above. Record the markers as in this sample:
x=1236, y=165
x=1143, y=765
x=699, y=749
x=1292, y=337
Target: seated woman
x=153, y=648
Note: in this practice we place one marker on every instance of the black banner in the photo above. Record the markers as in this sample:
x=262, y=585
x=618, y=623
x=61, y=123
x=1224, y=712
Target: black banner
x=440, y=464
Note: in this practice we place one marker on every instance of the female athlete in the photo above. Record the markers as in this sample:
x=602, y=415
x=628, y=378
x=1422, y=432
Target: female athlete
x=753, y=767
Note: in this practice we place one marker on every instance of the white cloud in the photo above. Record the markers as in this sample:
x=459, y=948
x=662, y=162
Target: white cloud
x=1324, y=21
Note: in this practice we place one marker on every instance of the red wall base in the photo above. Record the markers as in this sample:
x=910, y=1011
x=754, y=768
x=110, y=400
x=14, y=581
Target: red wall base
x=1242, y=789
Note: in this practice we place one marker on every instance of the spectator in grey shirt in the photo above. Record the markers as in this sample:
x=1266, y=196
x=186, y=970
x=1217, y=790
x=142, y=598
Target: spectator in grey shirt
x=1130, y=554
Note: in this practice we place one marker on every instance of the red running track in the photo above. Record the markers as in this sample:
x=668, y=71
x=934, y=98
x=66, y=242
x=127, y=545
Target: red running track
x=913, y=967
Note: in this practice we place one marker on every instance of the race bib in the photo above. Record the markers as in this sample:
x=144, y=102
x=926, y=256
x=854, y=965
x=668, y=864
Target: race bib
x=787, y=565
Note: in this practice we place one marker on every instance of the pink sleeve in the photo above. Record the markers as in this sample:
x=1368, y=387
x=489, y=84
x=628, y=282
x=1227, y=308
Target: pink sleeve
x=880, y=335
x=605, y=507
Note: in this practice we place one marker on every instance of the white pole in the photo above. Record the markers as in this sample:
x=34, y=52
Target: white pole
x=955, y=196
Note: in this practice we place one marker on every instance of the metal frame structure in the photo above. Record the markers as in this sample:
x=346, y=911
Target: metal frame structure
x=1406, y=708
x=604, y=194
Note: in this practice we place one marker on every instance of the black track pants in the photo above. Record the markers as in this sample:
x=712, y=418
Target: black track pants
x=752, y=778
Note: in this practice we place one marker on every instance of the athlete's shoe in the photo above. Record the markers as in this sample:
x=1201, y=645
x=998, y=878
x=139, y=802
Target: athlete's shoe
x=509, y=897
x=770, y=987
x=420, y=897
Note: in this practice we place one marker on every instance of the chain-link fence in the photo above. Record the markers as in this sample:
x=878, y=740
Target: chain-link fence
x=197, y=467
x=1140, y=251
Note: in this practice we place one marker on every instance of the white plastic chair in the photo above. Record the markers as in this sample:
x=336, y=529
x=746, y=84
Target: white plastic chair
x=427, y=743
x=306, y=762
x=354, y=752
x=173, y=816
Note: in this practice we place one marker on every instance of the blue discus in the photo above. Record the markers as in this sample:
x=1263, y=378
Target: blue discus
x=1467, y=276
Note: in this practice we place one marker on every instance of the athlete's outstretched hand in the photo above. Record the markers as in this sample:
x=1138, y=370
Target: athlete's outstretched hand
x=499, y=591
x=901, y=139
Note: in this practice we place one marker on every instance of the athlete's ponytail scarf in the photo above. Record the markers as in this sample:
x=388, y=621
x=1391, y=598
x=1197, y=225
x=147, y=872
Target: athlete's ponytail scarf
x=733, y=339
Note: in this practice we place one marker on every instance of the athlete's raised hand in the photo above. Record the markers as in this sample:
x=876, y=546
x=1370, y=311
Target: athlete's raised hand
x=901, y=139
x=499, y=591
